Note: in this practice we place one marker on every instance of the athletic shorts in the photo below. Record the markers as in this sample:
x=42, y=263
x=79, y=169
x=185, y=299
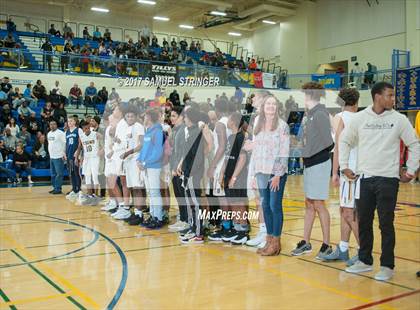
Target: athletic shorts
x=115, y=167
x=108, y=167
x=316, y=181
x=90, y=170
x=236, y=195
x=134, y=177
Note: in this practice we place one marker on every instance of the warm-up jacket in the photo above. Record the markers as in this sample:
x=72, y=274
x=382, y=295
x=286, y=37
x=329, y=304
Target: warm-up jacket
x=151, y=153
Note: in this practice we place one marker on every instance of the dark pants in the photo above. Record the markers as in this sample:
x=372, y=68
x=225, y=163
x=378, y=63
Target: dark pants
x=22, y=168
x=47, y=62
x=193, y=198
x=10, y=174
x=74, y=175
x=180, y=198
x=377, y=193
x=57, y=172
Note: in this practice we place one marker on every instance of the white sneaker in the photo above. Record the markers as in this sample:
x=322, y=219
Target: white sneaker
x=73, y=197
x=82, y=199
x=71, y=194
x=384, y=274
x=262, y=244
x=112, y=204
x=359, y=267
x=258, y=239
x=178, y=226
x=121, y=214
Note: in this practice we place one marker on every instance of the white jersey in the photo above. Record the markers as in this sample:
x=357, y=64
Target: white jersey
x=120, y=133
x=90, y=144
x=346, y=117
x=132, y=135
x=224, y=121
x=107, y=142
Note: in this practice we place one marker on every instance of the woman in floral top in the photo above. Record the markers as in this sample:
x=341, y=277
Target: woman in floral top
x=268, y=167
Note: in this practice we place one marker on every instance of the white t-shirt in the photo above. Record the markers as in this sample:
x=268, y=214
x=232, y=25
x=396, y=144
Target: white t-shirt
x=56, y=144
x=107, y=142
x=120, y=133
x=132, y=135
x=90, y=144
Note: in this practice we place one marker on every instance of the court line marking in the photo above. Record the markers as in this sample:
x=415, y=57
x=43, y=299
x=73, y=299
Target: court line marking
x=123, y=258
x=6, y=299
x=300, y=279
x=385, y=300
x=37, y=222
x=36, y=299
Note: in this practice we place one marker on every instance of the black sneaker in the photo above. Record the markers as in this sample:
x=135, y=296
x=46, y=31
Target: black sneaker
x=112, y=211
x=132, y=216
x=229, y=235
x=217, y=235
x=57, y=192
x=165, y=219
x=324, y=251
x=155, y=224
x=147, y=221
x=136, y=220
x=50, y=192
x=182, y=233
x=241, y=238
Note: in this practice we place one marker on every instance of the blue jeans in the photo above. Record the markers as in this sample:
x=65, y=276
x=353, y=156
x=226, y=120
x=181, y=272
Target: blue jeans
x=271, y=203
x=57, y=171
x=153, y=189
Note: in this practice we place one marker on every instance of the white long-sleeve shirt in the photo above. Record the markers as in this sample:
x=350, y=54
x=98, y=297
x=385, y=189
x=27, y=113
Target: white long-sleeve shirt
x=56, y=144
x=377, y=138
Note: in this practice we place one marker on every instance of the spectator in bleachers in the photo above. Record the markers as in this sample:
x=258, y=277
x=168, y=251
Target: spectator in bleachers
x=65, y=57
x=14, y=128
x=145, y=34
x=165, y=43
x=4, y=98
x=10, y=141
x=5, y=85
x=174, y=97
x=29, y=96
x=39, y=90
x=97, y=35
x=186, y=100
x=34, y=126
x=54, y=32
x=9, y=41
x=91, y=95
x=24, y=136
x=107, y=35
x=198, y=47
x=47, y=48
x=239, y=95
x=3, y=150
x=60, y=115
x=5, y=115
x=189, y=61
x=75, y=96
x=10, y=174
x=86, y=53
x=154, y=42
x=103, y=95
x=174, y=44
x=113, y=95
x=56, y=95
x=67, y=32
x=10, y=25
x=86, y=34
x=16, y=97
x=252, y=65
x=22, y=163
x=40, y=154
x=25, y=113
x=192, y=47
x=46, y=114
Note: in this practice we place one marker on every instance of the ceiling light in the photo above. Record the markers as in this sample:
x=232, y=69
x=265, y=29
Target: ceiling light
x=165, y=19
x=235, y=34
x=186, y=26
x=218, y=13
x=268, y=22
x=146, y=2
x=99, y=10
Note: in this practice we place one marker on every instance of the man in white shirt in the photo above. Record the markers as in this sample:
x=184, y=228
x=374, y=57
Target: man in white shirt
x=57, y=150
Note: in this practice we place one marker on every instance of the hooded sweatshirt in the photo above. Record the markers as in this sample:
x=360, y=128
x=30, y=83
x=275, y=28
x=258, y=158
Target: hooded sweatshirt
x=151, y=153
x=377, y=137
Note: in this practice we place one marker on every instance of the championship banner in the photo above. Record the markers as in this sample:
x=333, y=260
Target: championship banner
x=269, y=80
x=408, y=89
x=165, y=70
x=330, y=81
x=258, y=79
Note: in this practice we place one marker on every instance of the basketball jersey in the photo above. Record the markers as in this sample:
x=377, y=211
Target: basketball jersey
x=90, y=145
x=346, y=117
x=121, y=134
x=107, y=142
x=131, y=136
x=72, y=142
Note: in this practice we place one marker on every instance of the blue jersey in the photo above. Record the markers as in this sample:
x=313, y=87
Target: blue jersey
x=72, y=142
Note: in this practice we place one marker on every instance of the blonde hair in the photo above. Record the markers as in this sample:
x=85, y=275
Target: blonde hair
x=262, y=118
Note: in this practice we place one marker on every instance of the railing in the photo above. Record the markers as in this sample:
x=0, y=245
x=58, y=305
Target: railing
x=107, y=66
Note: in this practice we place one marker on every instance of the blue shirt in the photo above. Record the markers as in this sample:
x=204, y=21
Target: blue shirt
x=27, y=93
x=97, y=34
x=72, y=142
x=151, y=153
x=90, y=91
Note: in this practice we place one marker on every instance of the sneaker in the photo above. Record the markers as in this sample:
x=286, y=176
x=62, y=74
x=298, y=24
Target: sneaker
x=352, y=260
x=155, y=224
x=187, y=236
x=57, y=192
x=177, y=225
x=165, y=219
x=193, y=240
x=130, y=217
x=147, y=221
x=302, y=248
x=185, y=231
x=337, y=255
x=70, y=194
x=229, y=235
x=384, y=274
x=121, y=214
x=30, y=182
x=241, y=238
x=109, y=205
x=324, y=251
x=217, y=235
x=74, y=197
x=136, y=220
x=359, y=267
x=50, y=192
x=258, y=239
x=94, y=200
x=86, y=200
x=112, y=211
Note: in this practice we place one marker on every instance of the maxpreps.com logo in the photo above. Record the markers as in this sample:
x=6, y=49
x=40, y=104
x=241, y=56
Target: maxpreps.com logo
x=163, y=69
x=376, y=126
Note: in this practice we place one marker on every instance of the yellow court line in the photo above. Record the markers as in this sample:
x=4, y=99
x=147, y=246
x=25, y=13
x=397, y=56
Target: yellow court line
x=33, y=299
x=294, y=277
x=50, y=271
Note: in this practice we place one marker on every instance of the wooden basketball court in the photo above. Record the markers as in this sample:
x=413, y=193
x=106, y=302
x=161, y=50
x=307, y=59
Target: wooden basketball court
x=55, y=255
